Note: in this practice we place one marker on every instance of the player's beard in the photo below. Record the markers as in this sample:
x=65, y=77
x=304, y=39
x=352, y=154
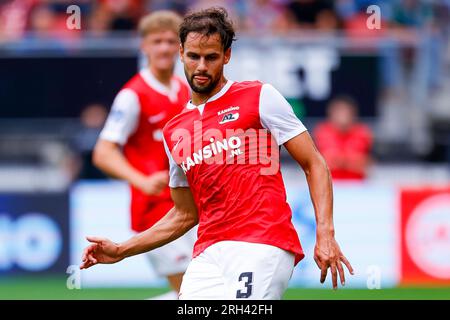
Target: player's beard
x=202, y=89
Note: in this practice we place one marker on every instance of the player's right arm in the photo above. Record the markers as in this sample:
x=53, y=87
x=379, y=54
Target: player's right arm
x=277, y=116
x=179, y=220
x=108, y=157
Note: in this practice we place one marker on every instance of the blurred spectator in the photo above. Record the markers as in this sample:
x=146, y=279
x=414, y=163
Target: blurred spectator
x=313, y=14
x=44, y=25
x=412, y=63
x=412, y=13
x=13, y=18
x=344, y=142
x=355, y=17
x=103, y=16
x=42, y=21
x=179, y=6
x=48, y=20
x=99, y=21
x=233, y=7
x=265, y=15
x=345, y=8
x=92, y=119
x=125, y=13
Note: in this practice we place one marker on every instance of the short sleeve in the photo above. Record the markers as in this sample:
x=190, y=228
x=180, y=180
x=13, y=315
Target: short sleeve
x=123, y=118
x=277, y=116
x=177, y=177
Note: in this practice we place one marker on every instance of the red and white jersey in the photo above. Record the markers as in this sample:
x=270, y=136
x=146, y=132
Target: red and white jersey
x=224, y=151
x=138, y=115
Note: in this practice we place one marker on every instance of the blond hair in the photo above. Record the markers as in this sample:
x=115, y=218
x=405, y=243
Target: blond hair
x=158, y=21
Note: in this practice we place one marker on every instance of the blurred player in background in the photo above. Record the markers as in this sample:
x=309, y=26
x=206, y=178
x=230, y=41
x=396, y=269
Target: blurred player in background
x=344, y=142
x=139, y=112
x=247, y=246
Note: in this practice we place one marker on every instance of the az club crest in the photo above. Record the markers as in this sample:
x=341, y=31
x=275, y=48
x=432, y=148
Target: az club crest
x=229, y=117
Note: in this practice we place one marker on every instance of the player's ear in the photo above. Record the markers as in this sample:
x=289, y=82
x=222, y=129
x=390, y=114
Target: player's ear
x=181, y=52
x=227, y=55
x=142, y=47
x=144, y=44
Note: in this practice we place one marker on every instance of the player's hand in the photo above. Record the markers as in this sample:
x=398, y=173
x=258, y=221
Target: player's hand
x=155, y=183
x=327, y=254
x=101, y=250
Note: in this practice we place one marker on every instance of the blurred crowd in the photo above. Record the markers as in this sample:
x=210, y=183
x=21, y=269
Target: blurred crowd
x=343, y=139
x=18, y=18
x=346, y=142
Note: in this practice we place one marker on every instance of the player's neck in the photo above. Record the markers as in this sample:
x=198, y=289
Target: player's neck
x=200, y=98
x=163, y=76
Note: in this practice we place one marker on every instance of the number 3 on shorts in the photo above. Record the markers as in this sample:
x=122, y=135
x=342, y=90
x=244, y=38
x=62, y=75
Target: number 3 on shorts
x=248, y=285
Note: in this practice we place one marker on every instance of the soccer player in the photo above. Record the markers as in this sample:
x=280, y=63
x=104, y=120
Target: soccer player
x=247, y=246
x=138, y=114
x=344, y=141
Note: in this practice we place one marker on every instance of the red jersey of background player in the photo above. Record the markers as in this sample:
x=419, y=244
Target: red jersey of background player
x=139, y=112
x=235, y=201
x=351, y=147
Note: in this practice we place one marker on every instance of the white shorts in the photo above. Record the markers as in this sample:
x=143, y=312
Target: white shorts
x=238, y=270
x=174, y=257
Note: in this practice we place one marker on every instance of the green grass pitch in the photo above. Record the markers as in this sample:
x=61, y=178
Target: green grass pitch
x=52, y=288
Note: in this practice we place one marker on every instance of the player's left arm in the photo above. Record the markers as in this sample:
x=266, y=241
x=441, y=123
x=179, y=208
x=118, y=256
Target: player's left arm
x=278, y=117
x=327, y=252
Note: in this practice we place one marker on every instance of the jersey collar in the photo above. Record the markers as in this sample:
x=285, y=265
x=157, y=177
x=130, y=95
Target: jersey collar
x=219, y=94
x=155, y=84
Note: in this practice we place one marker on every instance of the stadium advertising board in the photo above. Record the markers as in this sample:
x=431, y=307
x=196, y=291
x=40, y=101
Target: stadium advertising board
x=425, y=236
x=102, y=208
x=34, y=233
x=365, y=219
x=311, y=74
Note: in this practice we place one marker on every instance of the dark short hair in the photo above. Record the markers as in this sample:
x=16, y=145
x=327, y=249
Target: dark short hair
x=208, y=22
